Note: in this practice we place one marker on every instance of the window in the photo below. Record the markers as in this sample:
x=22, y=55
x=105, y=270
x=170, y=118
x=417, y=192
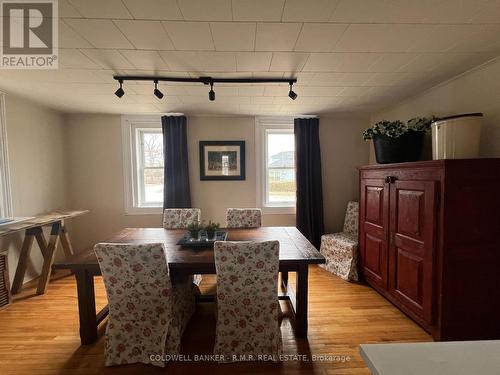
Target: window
x=5, y=191
x=143, y=164
x=276, y=165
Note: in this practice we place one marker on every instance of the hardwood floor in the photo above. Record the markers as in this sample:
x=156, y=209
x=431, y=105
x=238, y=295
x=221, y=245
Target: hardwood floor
x=39, y=334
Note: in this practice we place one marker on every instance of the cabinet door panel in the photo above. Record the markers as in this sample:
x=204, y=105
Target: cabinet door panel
x=412, y=224
x=374, y=222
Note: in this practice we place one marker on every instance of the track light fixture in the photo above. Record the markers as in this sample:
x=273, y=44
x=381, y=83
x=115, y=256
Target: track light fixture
x=205, y=80
x=157, y=92
x=120, y=91
x=292, y=94
x=211, y=93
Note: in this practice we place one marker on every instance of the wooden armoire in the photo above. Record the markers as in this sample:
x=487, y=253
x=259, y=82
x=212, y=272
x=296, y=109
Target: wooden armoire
x=430, y=243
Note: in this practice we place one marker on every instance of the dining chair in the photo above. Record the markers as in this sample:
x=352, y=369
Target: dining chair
x=147, y=314
x=180, y=218
x=247, y=301
x=243, y=217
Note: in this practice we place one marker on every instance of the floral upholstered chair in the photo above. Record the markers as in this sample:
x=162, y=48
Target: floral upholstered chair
x=341, y=249
x=180, y=218
x=247, y=300
x=147, y=315
x=244, y=217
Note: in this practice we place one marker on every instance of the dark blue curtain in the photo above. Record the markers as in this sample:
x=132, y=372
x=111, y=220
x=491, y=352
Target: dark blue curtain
x=176, y=191
x=309, y=217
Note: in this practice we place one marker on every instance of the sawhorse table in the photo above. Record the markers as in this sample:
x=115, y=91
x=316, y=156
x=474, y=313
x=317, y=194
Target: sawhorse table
x=34, y=231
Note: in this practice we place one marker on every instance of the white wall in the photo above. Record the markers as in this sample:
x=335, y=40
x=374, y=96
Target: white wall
x=96, y=173
x=475, y=91
x=37, y=155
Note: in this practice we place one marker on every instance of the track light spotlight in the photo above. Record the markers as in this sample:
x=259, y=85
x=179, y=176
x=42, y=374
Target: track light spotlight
x=157, y=92
x=120, y=91
x=292, y=94
x=211, y=93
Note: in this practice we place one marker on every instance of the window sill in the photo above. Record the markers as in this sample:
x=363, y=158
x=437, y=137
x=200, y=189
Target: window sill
x=278, y=210
x=144, y=211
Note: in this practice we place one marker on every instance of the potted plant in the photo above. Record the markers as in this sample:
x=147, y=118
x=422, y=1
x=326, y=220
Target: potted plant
x=194, y=230
x=396, y=141
x=211, y=228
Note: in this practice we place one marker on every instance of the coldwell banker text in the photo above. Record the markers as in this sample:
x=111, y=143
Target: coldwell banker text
x=29, y=34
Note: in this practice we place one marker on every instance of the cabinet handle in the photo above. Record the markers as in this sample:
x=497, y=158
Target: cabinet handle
x=390, y=179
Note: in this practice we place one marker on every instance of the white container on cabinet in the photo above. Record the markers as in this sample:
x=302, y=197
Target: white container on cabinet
x=457, y=137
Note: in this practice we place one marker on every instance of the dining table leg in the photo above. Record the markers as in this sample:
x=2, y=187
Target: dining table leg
x=301, y=301
x=86, y=306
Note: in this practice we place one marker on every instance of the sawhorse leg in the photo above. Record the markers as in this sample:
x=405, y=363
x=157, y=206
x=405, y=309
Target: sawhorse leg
x=49, y=257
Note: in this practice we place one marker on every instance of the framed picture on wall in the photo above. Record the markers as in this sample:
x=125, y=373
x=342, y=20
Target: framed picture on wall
x=222, y=160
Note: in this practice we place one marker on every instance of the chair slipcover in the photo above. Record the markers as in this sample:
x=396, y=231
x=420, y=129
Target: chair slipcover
x=243, y=217
x=147, y=316
x=341, y=249
x=180, y=218
x=247, y=301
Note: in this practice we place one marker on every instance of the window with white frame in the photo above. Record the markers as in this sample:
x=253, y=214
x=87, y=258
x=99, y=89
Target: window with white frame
x=276, y=165
x=143, y=166
x=5, y=191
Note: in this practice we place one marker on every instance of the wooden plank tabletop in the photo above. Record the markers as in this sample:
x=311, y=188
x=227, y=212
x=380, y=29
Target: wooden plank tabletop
x=433, y=358
x=294, y=248
x=41, y=220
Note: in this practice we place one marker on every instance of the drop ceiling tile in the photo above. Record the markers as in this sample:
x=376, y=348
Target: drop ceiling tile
x=340, y=62
x=308, y=11
x=444, y=37
x=101, y=9
x=251, y=90
x=484, y=39
x=392, y=62
x=69, y=38
x=288, y=61
x=73, y=58
x=257, y=10
x=262, y=99
x=276, y=90
x=190, y=35
x=391, y=79
x=154, y=9
x=108, y=58
x=381, y=37
x=181, y=61
x=145, y=59
x=67, y=10
x=253, y=61
x=100, y=33
x=321, y=91
x=453, y=11
x=167, y=88
x=319, y=37
x=276, y=36
x=200, y=61
x=232, y=36
x=338, y=79
x=217, y=61
x=206, y=10
x=202, y=90
x=382, y=11
x=145, y=34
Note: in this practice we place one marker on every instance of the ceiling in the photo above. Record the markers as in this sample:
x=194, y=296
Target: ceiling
x=348, y=55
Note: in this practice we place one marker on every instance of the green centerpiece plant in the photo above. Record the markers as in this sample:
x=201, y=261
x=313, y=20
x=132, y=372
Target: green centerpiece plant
x=211, y=228
x=194, y=229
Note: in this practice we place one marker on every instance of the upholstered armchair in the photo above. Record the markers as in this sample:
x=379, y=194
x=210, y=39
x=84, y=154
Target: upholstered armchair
x=243, y=217
x=147, y=314
x=341, y=249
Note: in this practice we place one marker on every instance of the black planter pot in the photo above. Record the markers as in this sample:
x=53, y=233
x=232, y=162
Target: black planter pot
x=398, y=150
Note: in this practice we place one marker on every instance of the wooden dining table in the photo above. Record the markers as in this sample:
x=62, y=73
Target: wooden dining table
x=296, y=254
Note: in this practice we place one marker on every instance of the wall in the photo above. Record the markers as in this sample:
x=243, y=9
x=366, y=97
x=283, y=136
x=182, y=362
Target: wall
x=96, y=173
x=37, y=156
x=342, y=151
x=475, y=91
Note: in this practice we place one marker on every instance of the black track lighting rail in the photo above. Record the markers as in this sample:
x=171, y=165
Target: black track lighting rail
x=205, y=79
